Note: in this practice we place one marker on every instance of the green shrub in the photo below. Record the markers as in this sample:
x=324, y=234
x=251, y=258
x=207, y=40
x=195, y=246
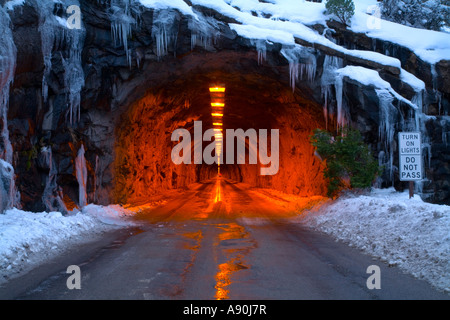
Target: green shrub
x=347, y=158
x=342, y=9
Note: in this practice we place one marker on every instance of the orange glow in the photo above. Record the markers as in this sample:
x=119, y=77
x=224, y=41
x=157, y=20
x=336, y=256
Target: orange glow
x=235, y=263
x=218, y=197
x=217, y=105
x=217, y=89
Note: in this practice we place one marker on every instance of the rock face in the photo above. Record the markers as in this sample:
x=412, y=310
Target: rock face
x=141, y=81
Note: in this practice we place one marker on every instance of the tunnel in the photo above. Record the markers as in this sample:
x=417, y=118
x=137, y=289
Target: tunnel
x=255, y=99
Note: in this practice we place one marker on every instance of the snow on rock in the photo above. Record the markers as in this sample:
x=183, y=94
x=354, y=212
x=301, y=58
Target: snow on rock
x=409, y=233
x=370, y=77
x=430, y=46
x=28, y=239
x=180, y=5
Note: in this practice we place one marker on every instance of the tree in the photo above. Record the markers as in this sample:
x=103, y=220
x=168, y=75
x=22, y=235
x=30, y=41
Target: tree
x=347, y=158
x=342, y=9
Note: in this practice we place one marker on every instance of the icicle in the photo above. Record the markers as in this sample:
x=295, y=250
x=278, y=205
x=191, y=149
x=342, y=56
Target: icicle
x=330, y=65
x=10, y=197
x=293, y=73
x=386, y=128
x=163, y=30
x=204, y=30
x=7, y=70
x=55, y=35
x=124, y=14
x=97, y=180
x=342, y=112
x=7, y=186
x=300, y=56
x=52, y=197
x=81, y=173
x=261, y=48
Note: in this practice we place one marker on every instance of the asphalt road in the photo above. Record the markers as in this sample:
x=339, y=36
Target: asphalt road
x=218, y=241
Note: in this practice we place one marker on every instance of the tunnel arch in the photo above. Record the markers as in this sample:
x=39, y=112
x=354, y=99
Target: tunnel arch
x=257, y=97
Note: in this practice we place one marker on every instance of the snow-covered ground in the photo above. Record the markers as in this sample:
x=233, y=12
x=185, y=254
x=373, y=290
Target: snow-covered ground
x=28, y=239
x=386, y=224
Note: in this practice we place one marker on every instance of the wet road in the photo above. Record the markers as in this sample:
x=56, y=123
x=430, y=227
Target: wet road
x=222, y=241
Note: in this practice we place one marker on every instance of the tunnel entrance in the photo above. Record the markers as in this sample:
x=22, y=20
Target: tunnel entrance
x=143, y=163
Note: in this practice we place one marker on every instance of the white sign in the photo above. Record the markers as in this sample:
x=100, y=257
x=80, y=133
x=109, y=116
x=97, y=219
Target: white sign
x=410, y=144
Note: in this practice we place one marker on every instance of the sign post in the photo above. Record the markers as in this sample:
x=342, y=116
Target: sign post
x=410, y=151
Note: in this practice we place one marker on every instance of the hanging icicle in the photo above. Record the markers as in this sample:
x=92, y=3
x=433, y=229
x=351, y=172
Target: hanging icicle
x=163, y=31
x=330, y=65
x=9, y=196
x=204, y=30
x=81, y=173
x=302, y=63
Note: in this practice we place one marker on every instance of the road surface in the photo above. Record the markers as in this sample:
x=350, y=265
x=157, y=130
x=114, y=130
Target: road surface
x=218, y=241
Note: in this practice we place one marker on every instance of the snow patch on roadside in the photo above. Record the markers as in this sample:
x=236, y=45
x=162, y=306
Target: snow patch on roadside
x=408, y=233
x=28, y=239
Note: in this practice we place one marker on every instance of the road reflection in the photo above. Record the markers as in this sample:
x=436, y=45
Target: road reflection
x=235, y=243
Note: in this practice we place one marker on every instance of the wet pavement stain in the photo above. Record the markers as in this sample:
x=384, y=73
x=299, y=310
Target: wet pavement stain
x=234, y=242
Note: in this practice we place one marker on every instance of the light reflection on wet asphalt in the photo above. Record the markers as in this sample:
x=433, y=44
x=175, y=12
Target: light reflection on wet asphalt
x=222, y=241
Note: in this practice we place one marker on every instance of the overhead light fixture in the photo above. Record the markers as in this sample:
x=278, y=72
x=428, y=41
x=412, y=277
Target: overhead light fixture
x=217, y=89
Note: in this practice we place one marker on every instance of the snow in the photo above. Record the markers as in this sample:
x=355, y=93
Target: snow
x=369, y=77
x=281, y=21
x=11, y=4
x=28, y=239
x=386, y=224
x=256, y=33
x=180, y=5
x=430, y=46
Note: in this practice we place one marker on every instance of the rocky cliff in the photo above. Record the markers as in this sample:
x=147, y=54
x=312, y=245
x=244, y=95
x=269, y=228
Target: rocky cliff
x=119, y=85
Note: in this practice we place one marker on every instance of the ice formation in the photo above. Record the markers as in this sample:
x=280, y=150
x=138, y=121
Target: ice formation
x=330, y=65
x=302, y=62
x=81, y=173
x=8, y=192
x=124, y=14
x=204, y=30
x=386, y=131
x=163, y=31
x=7, y=70
x=55, y=34
x=52, y=197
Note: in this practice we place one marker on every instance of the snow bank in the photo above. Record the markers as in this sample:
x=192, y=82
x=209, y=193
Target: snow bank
x=28, y=239
x=409, y=233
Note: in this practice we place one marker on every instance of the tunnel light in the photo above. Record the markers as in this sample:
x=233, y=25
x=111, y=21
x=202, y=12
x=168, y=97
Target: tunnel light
x=218, y=124
x=217, y=114
x=217, y=89
x=218, y=104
